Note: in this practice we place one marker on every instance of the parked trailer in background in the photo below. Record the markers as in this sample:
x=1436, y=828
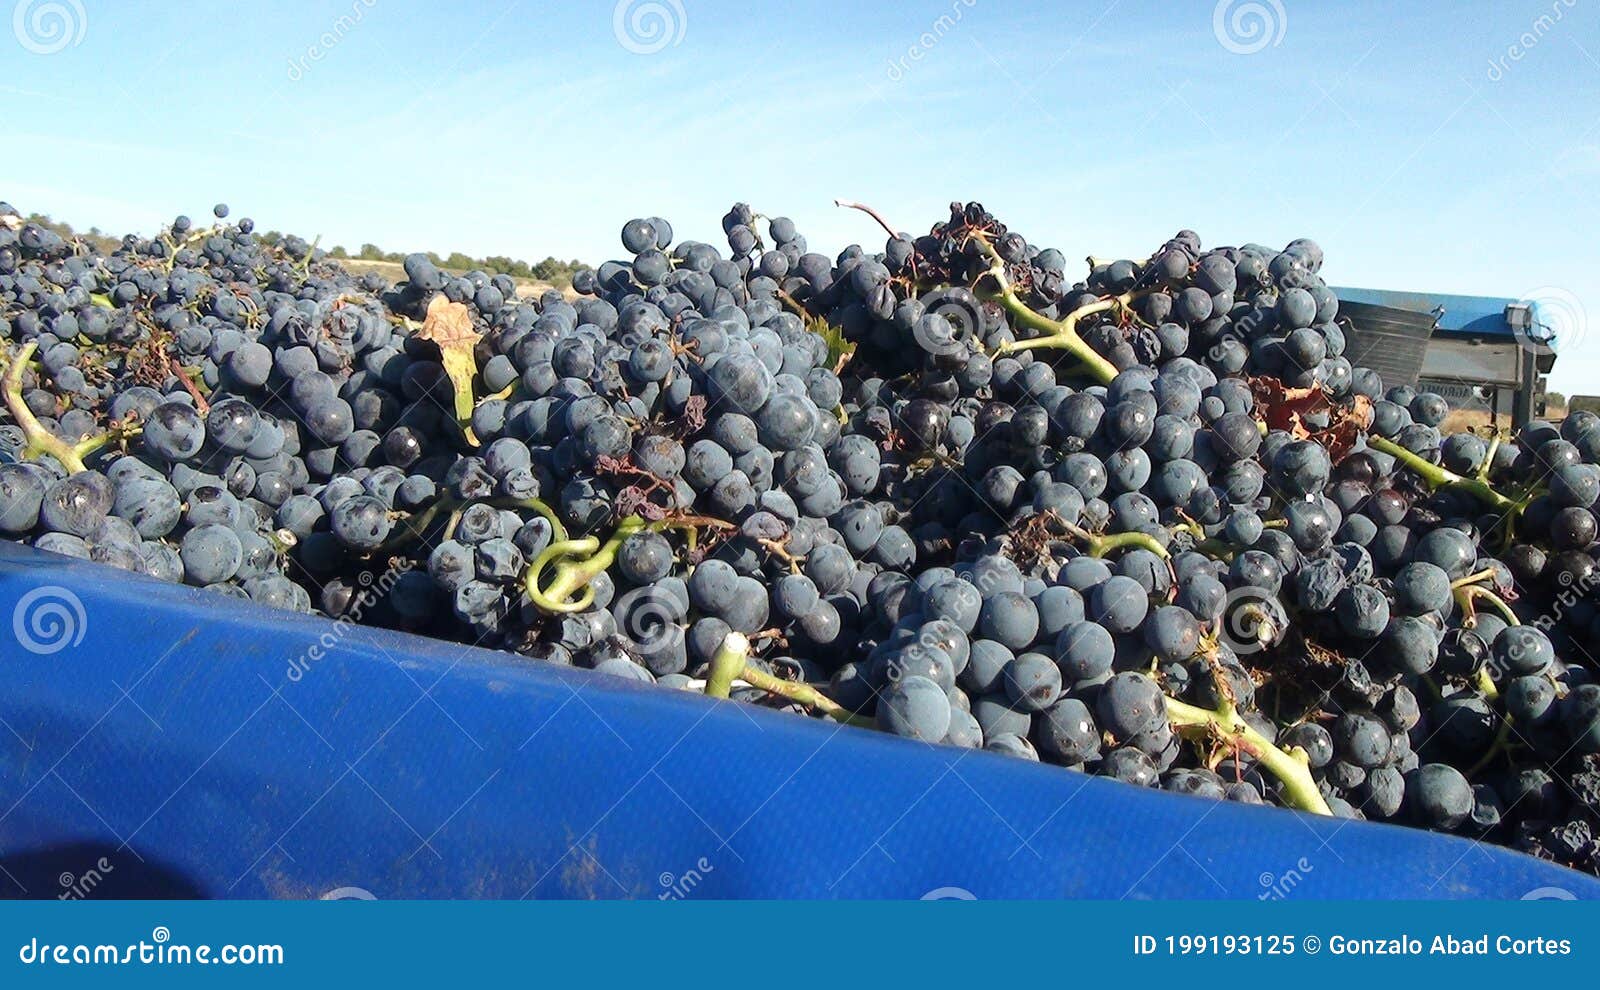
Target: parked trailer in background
x=1479, y=352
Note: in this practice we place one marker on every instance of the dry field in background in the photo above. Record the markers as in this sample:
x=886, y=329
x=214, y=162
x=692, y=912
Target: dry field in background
x=1478, y=421
x=394, y=272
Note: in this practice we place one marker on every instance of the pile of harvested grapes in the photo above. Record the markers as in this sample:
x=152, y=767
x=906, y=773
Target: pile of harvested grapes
x=1150, y=524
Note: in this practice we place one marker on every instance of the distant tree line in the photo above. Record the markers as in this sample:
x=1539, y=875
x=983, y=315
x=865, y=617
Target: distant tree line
x=94, y=236
x=1588, y=402
x=552, y=270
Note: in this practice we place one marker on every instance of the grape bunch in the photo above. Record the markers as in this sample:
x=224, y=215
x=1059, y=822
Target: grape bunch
x=1149, y=524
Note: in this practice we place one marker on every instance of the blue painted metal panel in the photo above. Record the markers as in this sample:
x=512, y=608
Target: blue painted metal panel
x=160, y=728
x=1479, y=315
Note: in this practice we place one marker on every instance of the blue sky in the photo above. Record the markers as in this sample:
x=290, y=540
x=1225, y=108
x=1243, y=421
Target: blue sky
x=1452, y=147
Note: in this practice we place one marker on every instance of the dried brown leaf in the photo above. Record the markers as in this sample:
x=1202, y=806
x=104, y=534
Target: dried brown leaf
x=1287, y=409
x=449, y=325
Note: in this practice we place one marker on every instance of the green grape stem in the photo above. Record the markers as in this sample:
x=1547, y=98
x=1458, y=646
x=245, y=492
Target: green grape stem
x=1440, y=477
x=1105, y=544
x=580, y=562
x=1100, y=546
x=727, y=665
x=1501, y=738
x=731, y=664
x=1217, y=549
x=1483, y=575
x=577, y=562
x=1466, y=593
x=1474, y=591
x=1488, y=458
x=40, y=441
x=1061, y=333
x=1299, y=788
x=414, y=530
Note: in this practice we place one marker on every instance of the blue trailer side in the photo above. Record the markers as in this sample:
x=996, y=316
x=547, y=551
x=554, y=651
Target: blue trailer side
x=212, y=748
